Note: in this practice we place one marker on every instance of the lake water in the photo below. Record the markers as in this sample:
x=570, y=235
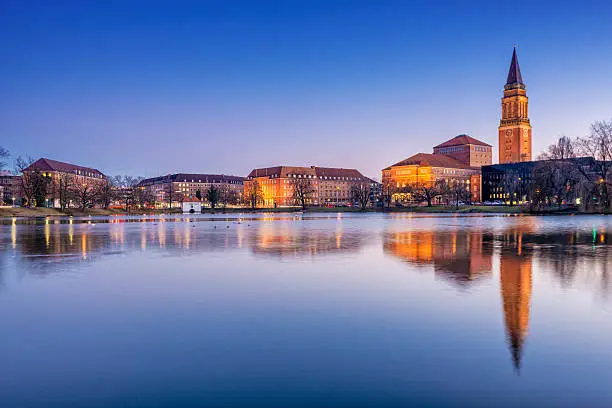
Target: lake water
x=326, y=310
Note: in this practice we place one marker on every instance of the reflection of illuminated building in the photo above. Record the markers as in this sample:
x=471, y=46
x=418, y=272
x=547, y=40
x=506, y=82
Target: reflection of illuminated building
x=455, y=255
x=284, y=241
x=515, y=277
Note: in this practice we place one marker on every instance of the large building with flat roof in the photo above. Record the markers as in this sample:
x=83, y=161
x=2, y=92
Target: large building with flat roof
x=176, y=187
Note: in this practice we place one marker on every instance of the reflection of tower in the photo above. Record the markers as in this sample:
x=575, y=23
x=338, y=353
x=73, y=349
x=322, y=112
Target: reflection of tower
x=515, y=276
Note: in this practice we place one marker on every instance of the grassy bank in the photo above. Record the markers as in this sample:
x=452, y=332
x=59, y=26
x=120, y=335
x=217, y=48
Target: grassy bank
x=468, y=209
x=434, y=209
x=54, y=212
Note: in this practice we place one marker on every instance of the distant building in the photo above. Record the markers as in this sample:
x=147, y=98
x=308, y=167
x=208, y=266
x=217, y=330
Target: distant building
x=514, y=126
x=53, y=170
x=180, y=186
x=192, y=205
x=11, y=189
x=331, y=186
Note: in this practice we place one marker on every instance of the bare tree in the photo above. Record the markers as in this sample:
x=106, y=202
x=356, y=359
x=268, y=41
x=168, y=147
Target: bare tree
x=212, y=195
x=456, y=191
x=126, y=190
x=64, y=186
x=427, y=191
x=562, y=149
x=360, y=192
x=253, y=194
x=33, y=184
x=302, y=191
x=107, y=193
x=598, y=144
x=227, y=195
x=4, y=155
x=169, y=191
x=143, y=197
x=511, y=185
x=387, y=192
x=86, y=193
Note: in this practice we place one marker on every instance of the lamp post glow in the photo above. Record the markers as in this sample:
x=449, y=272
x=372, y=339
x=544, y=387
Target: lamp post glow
x=13, y=201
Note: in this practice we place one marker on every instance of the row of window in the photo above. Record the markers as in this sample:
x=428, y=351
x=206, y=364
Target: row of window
x=310, y=176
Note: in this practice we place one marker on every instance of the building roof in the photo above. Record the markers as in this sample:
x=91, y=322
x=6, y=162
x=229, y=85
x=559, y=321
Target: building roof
x=54, y=165
x=314, y=171
x=281, y=171
x=433, y=160
x=193, y=178
x=514, y=74
x=462, y=140
x=191, y=200
x=337, y=172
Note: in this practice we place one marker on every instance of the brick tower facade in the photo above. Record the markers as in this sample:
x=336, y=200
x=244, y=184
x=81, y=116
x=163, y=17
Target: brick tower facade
x=514, y=126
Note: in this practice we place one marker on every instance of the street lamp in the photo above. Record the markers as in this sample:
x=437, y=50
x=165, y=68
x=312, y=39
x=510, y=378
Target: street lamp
x=13, y=201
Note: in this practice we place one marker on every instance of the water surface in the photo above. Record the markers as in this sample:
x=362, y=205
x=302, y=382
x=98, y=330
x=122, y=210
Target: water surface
x=284, y=310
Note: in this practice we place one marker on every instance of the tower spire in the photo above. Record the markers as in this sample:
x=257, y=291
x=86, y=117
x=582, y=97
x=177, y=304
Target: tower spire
x=514, y=74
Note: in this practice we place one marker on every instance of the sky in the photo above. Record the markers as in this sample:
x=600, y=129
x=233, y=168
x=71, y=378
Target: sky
x=150, y=88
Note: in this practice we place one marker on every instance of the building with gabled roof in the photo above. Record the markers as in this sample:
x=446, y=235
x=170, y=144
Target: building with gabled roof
x=71, y=175
x=48, y=166
x=457, y=160
x=466, y=149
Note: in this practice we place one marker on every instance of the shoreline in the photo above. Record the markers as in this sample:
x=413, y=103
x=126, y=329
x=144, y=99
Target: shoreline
x=21, y=212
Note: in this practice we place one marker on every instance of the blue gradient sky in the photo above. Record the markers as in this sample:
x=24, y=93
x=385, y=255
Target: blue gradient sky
x=150, y=87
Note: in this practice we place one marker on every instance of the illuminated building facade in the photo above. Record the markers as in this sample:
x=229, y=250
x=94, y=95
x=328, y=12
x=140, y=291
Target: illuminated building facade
x=186, y=185
x=424, y=169
x=330, y=185
x=467, y=150
x=53, y=170
x=514, y=126
x=457, y=256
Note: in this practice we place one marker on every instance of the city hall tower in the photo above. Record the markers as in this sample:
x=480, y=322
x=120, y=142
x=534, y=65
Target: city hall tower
x=514, y=126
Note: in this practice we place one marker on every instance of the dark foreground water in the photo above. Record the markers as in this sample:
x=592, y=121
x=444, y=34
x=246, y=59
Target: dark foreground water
x=289, y=311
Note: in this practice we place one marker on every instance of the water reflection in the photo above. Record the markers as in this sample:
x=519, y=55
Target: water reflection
x=457, y=256
x=462, y=254
x=465, y=256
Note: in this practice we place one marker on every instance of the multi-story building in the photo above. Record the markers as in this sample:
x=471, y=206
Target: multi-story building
x=11, y=188
x=514, y=126
x=335, y=184
x=467, y=150
x=457, y=160
x=330, y=186
x=186, y=185
x=510, y=182
x=53, y=170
